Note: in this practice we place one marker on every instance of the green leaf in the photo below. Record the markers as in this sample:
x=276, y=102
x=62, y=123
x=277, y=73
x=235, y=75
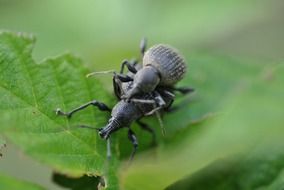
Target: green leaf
x=256, y=170
x=213, y=78
x=31, y=92
x=251, y=118
x=7, y=182
x=82, y=183
x=2, y=143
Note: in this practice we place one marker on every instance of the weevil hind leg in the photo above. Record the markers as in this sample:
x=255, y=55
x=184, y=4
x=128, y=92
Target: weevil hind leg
x=133, y=139
x=158, y=115
x=183, y=90
x=143, y=45
x=108, y=149
x=117, y=87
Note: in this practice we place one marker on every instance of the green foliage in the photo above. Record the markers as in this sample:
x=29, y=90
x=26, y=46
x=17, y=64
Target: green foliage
x=255, y=170
x=82, y=183
x=7, y=182
x=227, y=133
x=251, y=120
x=31, y=92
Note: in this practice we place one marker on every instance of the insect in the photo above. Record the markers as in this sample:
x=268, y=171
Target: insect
x=163, y=66
x=125, y=112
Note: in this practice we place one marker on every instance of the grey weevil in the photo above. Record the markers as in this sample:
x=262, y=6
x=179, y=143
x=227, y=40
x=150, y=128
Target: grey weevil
x=124, y=113
x=163, y=66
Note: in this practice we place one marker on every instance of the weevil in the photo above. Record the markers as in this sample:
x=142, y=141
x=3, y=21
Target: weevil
x=125, y=112
x=163, y=66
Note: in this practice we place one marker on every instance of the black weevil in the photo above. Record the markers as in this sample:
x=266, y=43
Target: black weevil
x=139, y=104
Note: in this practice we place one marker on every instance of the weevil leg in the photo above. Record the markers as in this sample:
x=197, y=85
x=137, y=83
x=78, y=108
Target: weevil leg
x=100, y=105
x=89, y=127
x=143, y=45
x=130, y=66
x=117, y=87
x=183, y=90
x=169, y=97
x=123, y=78
x=145, y=127
x=134, y=141
x=120, y=76
x=155, y=110
x=108, y=149
x=158, y=115
x=153, y=102
x=158, y=99
x=159, y=103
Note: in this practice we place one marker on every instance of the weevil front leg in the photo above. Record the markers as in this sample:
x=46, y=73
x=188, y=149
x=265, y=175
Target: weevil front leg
x=100, y=105
x=116, y=83
x=130, y=66
x=143, y=45
x=134, y=141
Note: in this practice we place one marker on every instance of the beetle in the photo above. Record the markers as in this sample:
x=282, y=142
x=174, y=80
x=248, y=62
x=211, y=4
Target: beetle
x=162, y=65
x=125, y=112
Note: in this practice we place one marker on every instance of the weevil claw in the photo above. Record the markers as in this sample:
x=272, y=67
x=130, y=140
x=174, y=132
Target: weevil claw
x=57, y=111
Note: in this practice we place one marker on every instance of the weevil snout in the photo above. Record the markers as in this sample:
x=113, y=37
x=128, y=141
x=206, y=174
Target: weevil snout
x=112, y=126
x=103, y=133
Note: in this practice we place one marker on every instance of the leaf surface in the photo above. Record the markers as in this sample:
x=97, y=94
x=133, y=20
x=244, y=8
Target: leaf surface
x=7, y=182
x=31, y=92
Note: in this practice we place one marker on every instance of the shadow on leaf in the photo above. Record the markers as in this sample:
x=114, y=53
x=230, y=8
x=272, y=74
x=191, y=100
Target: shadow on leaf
x=261, y=171
x=77, y=183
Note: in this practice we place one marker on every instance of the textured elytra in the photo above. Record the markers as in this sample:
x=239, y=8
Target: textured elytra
x=168, y=61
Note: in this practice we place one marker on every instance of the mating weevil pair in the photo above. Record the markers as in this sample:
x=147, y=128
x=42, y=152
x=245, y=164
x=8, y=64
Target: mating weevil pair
x=145, y=90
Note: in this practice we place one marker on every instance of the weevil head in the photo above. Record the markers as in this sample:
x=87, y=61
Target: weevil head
x=111, y=126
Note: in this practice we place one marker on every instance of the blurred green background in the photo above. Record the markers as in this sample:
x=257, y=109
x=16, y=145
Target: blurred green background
x=103, y=33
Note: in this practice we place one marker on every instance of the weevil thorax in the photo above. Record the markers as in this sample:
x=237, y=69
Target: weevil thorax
x=167, y=61
x=145, y=80
x=123, y=114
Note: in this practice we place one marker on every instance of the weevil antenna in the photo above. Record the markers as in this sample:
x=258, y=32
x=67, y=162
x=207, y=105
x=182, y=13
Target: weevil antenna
x=161, y=123
x=89, y=127
x=100, y=72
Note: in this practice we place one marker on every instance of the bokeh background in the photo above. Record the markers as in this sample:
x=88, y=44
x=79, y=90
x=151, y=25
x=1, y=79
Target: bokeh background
x=104, y=32
x=97, y=29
